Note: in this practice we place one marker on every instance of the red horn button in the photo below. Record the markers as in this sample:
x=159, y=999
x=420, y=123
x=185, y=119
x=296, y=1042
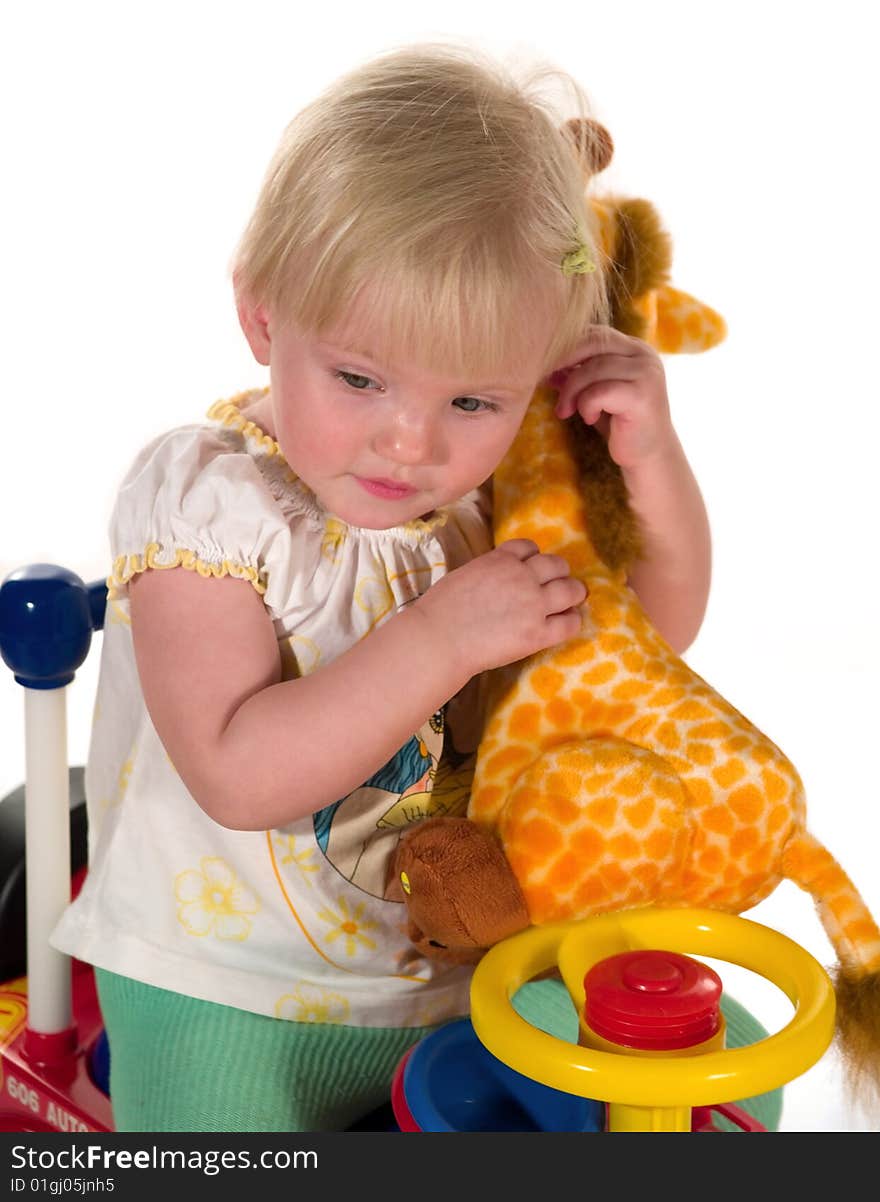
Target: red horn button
x=653, y=1000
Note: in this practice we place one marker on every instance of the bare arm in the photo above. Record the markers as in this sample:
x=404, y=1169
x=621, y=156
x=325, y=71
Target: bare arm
x=672, y=577
x=257, y=752
x=618, y=384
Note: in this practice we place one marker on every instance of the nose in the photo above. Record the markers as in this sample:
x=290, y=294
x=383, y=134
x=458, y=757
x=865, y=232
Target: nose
x=410, y=439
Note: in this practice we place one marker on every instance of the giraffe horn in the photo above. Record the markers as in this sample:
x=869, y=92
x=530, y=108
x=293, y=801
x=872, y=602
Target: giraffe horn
x=856, y=941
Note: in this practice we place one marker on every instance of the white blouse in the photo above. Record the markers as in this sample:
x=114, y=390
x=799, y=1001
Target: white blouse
x=293, y=922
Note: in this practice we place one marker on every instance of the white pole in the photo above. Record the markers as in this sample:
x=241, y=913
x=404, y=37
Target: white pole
x=47, y=856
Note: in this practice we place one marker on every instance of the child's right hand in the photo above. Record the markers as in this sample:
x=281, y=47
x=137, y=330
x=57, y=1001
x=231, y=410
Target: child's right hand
x=504, y=605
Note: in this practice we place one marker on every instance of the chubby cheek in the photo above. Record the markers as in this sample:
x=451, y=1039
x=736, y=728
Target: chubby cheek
x=311, y=445
x=479, y=459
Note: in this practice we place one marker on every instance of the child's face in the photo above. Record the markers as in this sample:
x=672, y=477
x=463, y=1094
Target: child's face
x=380, y=445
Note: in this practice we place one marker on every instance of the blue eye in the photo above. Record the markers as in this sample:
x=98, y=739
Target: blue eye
x=353, y=380
x=472, y=404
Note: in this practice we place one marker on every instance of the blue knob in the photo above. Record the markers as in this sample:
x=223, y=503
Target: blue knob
x=46, y=623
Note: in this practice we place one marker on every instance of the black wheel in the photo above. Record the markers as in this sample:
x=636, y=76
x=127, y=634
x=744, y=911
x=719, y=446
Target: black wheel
x=13, y=944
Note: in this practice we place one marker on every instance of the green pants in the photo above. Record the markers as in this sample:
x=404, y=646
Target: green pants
x=179, y=1064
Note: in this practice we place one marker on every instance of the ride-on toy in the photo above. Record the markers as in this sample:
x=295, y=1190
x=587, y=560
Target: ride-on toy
x=651, y=1064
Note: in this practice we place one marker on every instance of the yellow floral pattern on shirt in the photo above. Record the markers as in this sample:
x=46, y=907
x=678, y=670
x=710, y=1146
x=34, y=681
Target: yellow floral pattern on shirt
x=287, y=854
x=333, y=538
x=308, y=1004
x=212, y=901
x=122, y=781
x=348, y=925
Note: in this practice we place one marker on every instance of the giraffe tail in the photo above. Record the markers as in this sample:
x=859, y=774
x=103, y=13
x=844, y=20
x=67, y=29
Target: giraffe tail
x=855, y=937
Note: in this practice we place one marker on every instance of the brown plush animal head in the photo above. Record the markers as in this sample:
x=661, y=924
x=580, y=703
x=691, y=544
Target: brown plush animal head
x=461, y=896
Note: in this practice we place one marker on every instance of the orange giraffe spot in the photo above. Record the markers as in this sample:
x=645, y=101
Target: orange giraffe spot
x=638, y=731
x=712, y=860
x=562, y=808
x=615, y=643
x=574, y=654
x=583, y=698
x=525, y=798
x=630, y=785
x=640, y=814
x=633, y=661
x=668, y=788
x=547, y=682
x=589, y=894
x=541, y=901
x=776, y=786
x=665, y=696
x=509, y=757
x=630, y=690
x=542, y=837
x=744, y=841
x=668, y=736
x=778, y=817
x=647, y=875
x=615, y=715
x=616, y=877
x=691, y=711
x=624, y=846
x=755, y=885
x=557, y=502
x=489, y=796
x=701, y=753
x=566, y=871
x=747, y=803
x=598, y=782
x=603, y=812
x=719, y=820
x=862, y=930
x=562, y=781
x=729, y=773
x=761, y=858
x=600, y=674
x=659, y=844
x=561, y=713
x=525, y=721
x=701, y=792
x=709, y=730
x=550, y=537
x=588, y=845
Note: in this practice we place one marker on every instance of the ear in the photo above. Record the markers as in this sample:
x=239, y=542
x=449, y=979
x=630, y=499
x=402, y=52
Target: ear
x=254, y=321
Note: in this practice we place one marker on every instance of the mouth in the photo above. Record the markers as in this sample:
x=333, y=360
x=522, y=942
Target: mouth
x=389, y=490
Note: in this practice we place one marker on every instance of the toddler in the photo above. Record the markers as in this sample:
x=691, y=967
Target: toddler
x=304, y=593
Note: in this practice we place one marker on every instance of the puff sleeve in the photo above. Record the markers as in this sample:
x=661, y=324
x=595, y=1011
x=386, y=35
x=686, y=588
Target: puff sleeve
x=193, y=498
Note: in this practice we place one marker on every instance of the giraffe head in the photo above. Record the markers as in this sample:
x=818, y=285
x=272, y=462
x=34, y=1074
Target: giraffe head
x=638, y=260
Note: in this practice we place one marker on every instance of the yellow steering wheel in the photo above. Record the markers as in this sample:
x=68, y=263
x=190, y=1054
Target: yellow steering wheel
x=657, y=1092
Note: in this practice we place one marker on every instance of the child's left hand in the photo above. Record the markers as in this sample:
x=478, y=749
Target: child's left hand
x=617, y=384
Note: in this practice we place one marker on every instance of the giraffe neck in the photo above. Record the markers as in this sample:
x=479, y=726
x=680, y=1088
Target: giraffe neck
x=538, y=492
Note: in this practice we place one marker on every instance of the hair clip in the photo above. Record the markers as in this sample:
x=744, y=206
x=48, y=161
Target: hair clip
x=578, y=261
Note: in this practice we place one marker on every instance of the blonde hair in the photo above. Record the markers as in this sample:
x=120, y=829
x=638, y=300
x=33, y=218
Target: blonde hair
x=439, y=195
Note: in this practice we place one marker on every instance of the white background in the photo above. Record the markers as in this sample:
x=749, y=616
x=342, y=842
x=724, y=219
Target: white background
x=135, y=137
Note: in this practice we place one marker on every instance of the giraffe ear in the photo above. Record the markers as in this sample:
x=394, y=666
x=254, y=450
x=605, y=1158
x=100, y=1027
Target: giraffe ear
x=678, y=323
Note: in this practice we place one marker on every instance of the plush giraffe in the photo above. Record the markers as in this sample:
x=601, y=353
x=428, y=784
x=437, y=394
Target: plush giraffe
x=610, y=775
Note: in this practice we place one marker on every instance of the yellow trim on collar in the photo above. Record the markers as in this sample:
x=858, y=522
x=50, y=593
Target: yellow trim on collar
x=229, y=414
